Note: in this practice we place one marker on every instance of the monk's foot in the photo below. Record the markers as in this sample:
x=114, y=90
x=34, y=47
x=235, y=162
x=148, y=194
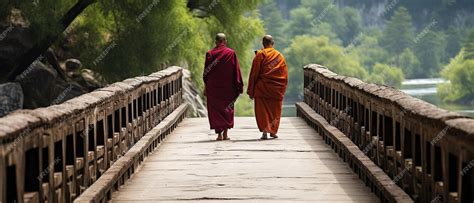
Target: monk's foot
x=219, y=138
x=225, y=135
x=264, y=136
x=274, y=136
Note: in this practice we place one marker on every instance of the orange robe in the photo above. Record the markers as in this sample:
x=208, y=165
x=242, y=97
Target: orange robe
x=267, y=85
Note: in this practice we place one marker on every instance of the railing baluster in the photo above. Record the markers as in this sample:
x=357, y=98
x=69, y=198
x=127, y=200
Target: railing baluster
x=422, y=148
x=55, y=153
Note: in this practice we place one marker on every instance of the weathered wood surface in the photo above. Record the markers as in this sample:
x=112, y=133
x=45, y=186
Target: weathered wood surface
x=53, y=154
x=191, y=166
x=428, y=150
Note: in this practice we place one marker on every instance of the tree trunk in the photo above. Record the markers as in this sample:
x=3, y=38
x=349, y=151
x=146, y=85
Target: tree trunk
x=42, y=46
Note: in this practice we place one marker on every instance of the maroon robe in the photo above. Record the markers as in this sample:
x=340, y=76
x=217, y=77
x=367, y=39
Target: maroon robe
x=224, y=84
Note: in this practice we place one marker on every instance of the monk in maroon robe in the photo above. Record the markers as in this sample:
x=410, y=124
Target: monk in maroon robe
x=223, y=84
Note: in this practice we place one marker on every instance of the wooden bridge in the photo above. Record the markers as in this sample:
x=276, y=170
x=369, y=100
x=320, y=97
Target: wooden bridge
x=132, y=141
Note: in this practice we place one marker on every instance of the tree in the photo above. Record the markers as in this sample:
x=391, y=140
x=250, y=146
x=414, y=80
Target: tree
x=398, y=32
x=346, y=22
x=140, y=37
x=366, y=49
x=385, y=74
x=44, y=43
x=122, y=39
x=150, y=35
x=325, y=29
x=409, y=64
x=430, y=49
x=309, y=49
x=301, y=19
x=460, y=73
x=274, y=23
x=353, y=25
x=454, y=39
x=469, y=47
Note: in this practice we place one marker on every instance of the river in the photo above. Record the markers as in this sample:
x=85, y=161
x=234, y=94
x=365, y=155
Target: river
x=424, y=89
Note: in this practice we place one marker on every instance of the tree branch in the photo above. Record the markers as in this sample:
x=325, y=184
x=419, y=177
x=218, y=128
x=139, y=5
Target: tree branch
x=42, y=46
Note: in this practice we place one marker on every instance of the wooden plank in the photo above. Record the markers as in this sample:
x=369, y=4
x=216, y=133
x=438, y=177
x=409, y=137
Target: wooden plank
x=191, y=166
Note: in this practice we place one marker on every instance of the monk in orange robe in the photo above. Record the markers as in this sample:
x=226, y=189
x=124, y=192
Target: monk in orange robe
x=267, y=85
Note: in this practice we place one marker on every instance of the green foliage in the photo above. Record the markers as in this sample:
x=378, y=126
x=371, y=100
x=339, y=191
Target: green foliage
x=274, y=23
x=430, y=50
x=366, y=49
x=140, y=37
x=345, y=22
x=353, y=24
x=86, y=36
x=122, y=39
x=244, y=106
x=385, y=74
x=454, y=39
x=300, y=20
x=187, y=38
x=43, y=16
x=326, y=12
x=150, y=37
x=409, y=64
x=325, y=29
x=135, y=42
x=460, y=73
x=398, y=32
x=469, y=47
x=317, y=29
x=309, y=49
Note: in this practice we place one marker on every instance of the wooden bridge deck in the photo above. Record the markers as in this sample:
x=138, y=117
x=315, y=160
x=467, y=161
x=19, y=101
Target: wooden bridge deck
x=191, y=166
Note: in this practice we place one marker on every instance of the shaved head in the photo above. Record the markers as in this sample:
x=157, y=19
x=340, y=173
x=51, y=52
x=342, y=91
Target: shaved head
x=268, y=41
x=220, y=37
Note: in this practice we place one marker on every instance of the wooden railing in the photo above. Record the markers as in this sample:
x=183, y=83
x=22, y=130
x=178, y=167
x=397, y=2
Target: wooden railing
x=425, y=150
x=55, y=153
